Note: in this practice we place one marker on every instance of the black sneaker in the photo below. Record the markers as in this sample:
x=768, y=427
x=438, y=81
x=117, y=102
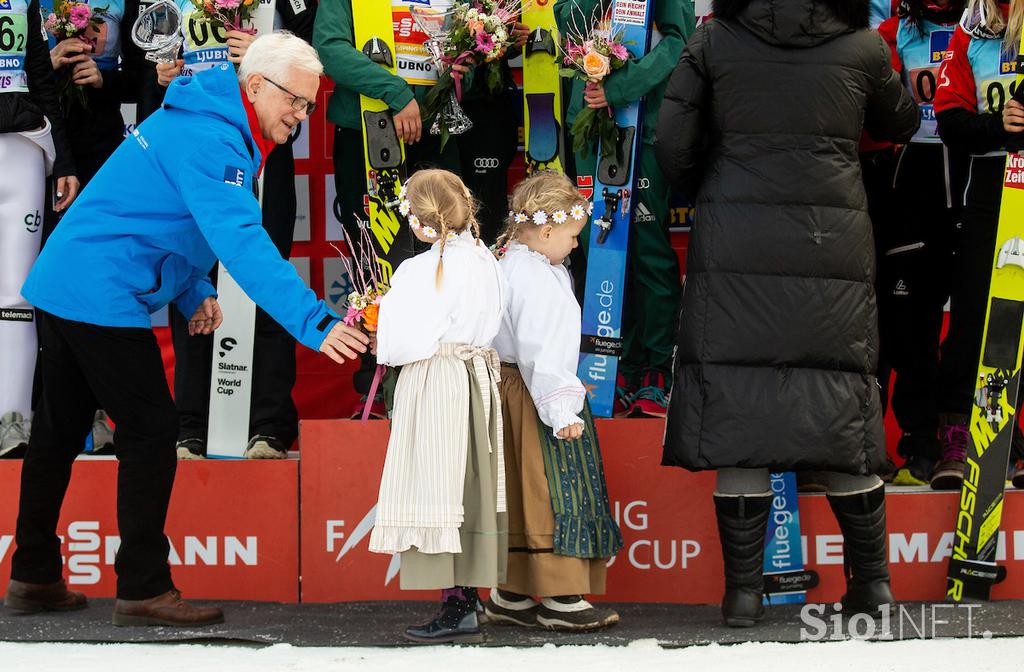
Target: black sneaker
x=917, y=470
x=572, y=612
x=505, y=608
x=456, y=623
x=191, y=449
x=265, y=448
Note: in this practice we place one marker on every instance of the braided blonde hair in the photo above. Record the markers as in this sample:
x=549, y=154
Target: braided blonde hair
x=441, y=200
x=545, y=190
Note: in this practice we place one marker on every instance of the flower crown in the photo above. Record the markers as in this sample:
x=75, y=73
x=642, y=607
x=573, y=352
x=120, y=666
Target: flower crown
x=405, y=209
x=541, y=217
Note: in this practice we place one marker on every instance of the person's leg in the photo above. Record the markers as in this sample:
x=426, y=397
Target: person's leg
x=858, y=503
x=22, y=208
x=742, y=503
x=653, y=291
x=63, y=418
x=961, y=349
x=274, y=421
x=193, y=361
x=485, y=152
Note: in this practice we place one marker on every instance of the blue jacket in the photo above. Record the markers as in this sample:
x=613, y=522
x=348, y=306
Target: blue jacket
x=176, y=196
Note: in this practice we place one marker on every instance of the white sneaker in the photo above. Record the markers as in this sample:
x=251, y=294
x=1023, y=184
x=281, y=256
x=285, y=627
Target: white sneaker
x=265, y=448
x=14, y=430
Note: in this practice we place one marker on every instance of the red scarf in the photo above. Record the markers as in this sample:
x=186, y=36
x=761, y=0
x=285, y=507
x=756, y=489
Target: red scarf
x=262, y=144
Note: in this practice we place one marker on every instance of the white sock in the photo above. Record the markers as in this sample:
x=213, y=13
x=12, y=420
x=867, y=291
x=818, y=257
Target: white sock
x=555, y=605
x=517, y=605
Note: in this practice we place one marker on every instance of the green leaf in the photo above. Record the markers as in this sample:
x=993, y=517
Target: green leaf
x=568, y=73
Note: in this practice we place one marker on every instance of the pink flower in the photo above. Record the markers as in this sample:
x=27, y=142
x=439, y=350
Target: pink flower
x=620, y=52
x=352, y=316
x=227, y=4
x=51, y=22
x=484, y=42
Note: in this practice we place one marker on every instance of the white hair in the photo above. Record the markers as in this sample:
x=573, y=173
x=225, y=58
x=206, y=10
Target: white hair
x=276, y=54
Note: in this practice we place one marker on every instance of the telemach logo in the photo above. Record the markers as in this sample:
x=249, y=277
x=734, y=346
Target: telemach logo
x=16, y=314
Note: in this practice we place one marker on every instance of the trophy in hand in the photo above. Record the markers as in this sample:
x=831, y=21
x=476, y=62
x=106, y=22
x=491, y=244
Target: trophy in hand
x=437, y=24
x=157, y=31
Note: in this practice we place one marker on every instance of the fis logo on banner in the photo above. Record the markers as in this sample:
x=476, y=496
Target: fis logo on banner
x=939, y=43
x=235, y=176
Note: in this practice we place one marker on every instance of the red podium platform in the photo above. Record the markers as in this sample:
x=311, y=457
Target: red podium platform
x=242, y=530
x=233, y=527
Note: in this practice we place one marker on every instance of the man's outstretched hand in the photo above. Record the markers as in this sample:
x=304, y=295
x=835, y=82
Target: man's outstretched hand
x=344, y=342
x=206, y=318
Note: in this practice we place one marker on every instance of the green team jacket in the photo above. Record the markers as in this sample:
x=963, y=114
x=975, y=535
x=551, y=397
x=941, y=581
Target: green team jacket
x=647, y=76
x=353, y=73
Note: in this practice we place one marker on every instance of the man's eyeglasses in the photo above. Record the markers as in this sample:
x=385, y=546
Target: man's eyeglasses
x=298, y=102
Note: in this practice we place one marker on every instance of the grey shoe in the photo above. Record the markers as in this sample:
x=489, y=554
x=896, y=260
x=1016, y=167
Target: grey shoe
x=14, y=430
x=191, y=449
x=102, y=435
x=265, y=448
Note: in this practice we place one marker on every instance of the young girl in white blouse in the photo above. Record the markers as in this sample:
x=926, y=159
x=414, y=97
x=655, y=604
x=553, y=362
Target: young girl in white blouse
x=441, y=503
x=561, y=530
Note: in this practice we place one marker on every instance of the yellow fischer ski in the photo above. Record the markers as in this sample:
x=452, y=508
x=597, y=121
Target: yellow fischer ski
x=542, y=89
x=384, y=153
x=972, y=568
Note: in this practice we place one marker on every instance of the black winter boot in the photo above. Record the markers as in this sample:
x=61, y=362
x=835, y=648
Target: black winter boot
x=861, y=518
x=456, y=622
x=742, y=525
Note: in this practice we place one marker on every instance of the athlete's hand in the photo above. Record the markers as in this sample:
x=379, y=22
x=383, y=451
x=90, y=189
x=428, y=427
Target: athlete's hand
x=408, y=123
x=87, y=73
x=344, y=342
x=593, y=96
x=67, y=190
x=68, y=52
x=166, y=72
x=459, y=70
x=1013, y=117
x=238, y=44
x=520, y=34
x=207, y=317
x=373, y=343
x=573, y=431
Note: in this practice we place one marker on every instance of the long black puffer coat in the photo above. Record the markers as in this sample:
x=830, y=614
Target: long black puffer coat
x=778, y=339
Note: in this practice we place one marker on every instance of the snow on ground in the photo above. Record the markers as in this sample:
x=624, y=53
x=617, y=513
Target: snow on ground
x=940, y=655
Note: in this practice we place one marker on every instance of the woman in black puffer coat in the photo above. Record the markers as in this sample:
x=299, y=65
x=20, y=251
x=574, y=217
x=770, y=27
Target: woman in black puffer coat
x=778, y=336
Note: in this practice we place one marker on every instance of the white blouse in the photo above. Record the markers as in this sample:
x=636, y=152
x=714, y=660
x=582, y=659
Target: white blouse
x=416, y=316
x=540, y=332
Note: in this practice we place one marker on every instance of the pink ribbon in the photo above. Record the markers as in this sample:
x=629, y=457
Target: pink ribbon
x=378, y=374
x=458, y=60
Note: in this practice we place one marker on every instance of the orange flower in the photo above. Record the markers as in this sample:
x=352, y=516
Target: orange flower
x=247, y=2
x=595, y=65
x=370, y=315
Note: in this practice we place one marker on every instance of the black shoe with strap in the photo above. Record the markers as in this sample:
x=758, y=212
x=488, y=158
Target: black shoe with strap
x=573, y=613
x=456, y=623
x=506, y=608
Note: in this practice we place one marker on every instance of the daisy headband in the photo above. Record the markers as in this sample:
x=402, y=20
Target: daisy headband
x=541, y=217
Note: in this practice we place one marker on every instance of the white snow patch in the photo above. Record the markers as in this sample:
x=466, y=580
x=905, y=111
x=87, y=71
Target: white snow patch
x=943, y=655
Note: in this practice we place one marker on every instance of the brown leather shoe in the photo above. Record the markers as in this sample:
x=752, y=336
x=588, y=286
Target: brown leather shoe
x=35, y=597
x=167, y=609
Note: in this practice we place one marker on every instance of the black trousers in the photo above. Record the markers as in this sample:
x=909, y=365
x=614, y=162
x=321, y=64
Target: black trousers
x=916, y=246
x=485, y=153
x=972, y=268
x=350, y=187
x=84, y=367
x=272, y=411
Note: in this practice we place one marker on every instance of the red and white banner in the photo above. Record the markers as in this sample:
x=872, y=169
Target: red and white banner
x=667, y=517
x=233, y=528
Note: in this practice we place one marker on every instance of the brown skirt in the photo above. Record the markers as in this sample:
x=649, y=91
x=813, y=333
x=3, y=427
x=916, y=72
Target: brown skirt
x=533, y=566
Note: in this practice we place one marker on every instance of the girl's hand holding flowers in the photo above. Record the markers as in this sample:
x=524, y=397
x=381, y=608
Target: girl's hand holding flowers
x=593, y=95
x=238, y=44
x=570, y=432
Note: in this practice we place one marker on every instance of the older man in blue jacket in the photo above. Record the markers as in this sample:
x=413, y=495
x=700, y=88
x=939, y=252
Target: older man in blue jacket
x=173, y=199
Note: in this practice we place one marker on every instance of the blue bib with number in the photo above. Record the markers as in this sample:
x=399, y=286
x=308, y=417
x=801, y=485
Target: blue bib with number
x=13, y=43
x=921, y=55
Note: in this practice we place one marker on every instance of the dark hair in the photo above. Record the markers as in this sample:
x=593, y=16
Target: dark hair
x=854, y=13
x=918, y=11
